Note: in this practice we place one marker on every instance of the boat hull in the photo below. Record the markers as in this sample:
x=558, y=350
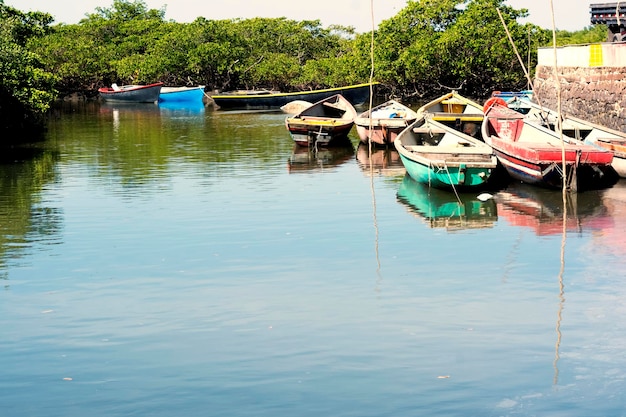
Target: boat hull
x=441, y=157
x=355, y=94
x=132, y=94
x=445, y=175
x=181, y=94
x=318, y=133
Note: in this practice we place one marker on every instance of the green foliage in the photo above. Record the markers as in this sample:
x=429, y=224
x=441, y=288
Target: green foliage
x=591, y=34
x=26, y=88
x=430, y=46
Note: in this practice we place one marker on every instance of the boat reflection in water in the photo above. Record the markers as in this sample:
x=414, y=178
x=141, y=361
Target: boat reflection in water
x=613, y=240
x=442, y=209
x=182, y=108
x=305, y=158
x=542, y=209
x=381, y=161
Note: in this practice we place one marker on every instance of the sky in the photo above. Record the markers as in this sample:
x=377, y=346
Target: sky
x=569, y=15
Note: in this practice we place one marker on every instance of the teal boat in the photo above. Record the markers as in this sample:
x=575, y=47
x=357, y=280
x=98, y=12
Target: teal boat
x=441, y=209
x=443, y=157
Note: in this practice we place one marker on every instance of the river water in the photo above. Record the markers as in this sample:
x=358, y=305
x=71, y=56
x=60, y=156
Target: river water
x=158, y=261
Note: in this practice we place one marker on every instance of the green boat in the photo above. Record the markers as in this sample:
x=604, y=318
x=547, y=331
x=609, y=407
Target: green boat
x=443, y=157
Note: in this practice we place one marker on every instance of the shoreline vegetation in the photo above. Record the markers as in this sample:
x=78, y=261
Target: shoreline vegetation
x=426, y=49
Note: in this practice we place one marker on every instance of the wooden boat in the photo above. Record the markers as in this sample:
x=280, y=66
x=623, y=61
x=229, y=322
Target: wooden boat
x=265, y=99
x=534, y=154
x=182, y=94
x=449, y=105
x=131, y=93
x=441, y=209
x=457, y=112
x=382, y=124
x=576, y=129
x=443, y=157
x=323, y=122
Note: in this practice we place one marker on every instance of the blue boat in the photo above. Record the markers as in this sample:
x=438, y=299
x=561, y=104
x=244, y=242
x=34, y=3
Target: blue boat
x=182, y=94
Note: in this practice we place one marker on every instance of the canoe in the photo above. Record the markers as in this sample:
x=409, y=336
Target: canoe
x=131, y=93
x=441, y=209
x=534, y=154
x=442, y=157
x=181, y=94
x=382, y=124
x=323, y=122
x=257, y=100
x=576, y=129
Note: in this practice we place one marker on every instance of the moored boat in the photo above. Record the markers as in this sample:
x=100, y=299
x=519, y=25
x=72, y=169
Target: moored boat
x=451, y=104
x=182, y=94
x=382, y=124
x=131, y=93
x=576, y=129
x=535, y=155
x=456, y=111
x=267, y=99
x=323, y=122
x=442, y=157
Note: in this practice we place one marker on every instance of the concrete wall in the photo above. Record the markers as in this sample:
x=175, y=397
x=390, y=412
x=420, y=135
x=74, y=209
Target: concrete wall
x=592, y=80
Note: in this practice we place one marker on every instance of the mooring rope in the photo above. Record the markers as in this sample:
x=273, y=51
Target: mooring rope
x=369, y=139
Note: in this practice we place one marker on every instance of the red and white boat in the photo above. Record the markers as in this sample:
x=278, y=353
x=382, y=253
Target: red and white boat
x=535, y=155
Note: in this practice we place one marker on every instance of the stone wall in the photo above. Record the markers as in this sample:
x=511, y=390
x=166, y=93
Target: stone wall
x=597, y=94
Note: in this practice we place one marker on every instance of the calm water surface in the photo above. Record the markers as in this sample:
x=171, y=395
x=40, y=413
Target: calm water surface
x=165, y=262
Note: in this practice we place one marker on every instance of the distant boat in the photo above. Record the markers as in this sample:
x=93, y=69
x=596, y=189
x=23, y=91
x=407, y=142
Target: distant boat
x=526, y=94
x=441, y=209
x=576, y=129
x=131, y=93
x=295, y=107
x=182, y=94
x=534, y=154
x=323, y=122
x=442, y=157
x=267, y=99
x=382, y=124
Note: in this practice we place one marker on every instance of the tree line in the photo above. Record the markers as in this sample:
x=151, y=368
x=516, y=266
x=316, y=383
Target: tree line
x=430, y=46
